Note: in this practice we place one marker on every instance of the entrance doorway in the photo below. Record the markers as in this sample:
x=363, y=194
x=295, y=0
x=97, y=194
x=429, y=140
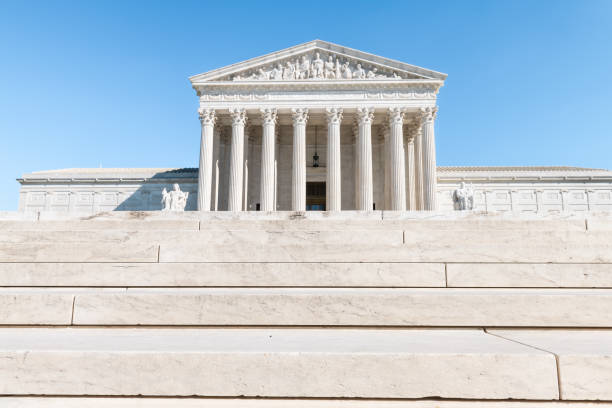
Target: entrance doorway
x=315, y=196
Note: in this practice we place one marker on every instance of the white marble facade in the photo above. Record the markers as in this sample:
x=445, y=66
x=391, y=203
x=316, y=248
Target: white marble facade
x=369, y=119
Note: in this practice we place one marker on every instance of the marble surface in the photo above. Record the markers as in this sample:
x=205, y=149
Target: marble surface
x=274, y=363
x=585, y=359
x=346, y=306
x=472, y=275
x=131, y=402
x=223, y=274
x=78, y=252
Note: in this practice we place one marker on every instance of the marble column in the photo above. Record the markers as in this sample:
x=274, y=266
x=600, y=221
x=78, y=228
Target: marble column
x=216, y=166
x=248, y=131
x=418, y=163
x=205, y=171
x=355, y=162
x=234, y=201
x=268, y=117
x=386, y=166
x=410, y=169
x=334, y=190
x=364, y=186
x=429, y=160
x=398, y=176
x=298, y=175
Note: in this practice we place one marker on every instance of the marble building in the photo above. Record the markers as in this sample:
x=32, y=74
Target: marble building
x=319, y=126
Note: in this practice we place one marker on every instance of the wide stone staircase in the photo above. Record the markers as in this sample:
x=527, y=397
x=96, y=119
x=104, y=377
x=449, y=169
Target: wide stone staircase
x=305, y=310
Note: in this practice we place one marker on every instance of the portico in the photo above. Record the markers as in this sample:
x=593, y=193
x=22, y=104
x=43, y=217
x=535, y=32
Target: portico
x=264, y=120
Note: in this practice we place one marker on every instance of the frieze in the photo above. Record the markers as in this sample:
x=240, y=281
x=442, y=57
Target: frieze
x=231, y=96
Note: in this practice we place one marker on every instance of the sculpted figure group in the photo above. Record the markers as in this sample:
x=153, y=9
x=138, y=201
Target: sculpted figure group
x=314, y=67
x=175, y=200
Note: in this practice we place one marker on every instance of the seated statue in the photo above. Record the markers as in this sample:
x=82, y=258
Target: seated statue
x=464, y=197
x=175, y=200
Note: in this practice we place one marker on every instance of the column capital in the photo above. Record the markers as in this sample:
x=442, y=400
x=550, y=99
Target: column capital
x=268, y=116
x=365, y=115
x=239, y=116
x=207, y=116
x=300, y=116
x=429, y=114
x=334, y=115
x=396, y=115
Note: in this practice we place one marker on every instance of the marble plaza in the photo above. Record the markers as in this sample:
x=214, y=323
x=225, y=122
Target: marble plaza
x=319, y=126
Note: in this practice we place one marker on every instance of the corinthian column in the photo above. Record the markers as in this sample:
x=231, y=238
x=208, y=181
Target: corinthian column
x=429, y=160
x=234, y=201
x=418, y=162
x=334, y=191
x=298, y=175
x=396, y=144
x=364, y=159
x=410, y=177
x=268, y=117
x=207, y=119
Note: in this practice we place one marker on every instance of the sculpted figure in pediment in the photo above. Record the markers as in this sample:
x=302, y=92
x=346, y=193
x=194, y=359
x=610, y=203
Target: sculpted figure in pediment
x=346, y=71
x=305, y=68
x=330, y=68
x=318, y=67
x=359, y=72
x=277, y=73
x=261, y=74
x=372, y=73
x=289, y=71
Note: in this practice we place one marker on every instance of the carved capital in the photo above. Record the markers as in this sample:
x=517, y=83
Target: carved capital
x=414, y=128
x=334, y=115
x=239, y=116
x=300, y=116
x=207, y=116
x=365, y=116
x=268, y=116
x=396, y=116
x=429, y=114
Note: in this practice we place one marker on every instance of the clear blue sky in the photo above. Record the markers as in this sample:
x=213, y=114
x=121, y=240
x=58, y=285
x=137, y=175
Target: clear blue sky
x=89, y=83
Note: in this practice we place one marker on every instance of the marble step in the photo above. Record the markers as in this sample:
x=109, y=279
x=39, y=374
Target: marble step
x=434, y=246
x=240, y=274
x=183, y=402
x=206, y=237
x=442, y=307
x=591, y=247
x=584, y=359
x=288, y=363
x=307, y=274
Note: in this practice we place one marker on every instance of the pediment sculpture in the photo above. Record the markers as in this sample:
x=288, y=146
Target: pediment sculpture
x=315, y=66
x=175, y=200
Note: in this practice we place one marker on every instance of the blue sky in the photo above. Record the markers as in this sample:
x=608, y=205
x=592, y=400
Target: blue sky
x=84, y=84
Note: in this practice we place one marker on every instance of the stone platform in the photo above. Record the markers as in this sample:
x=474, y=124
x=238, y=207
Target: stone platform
x=299, y=310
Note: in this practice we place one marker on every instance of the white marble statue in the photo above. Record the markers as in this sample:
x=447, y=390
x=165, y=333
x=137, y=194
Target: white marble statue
x=346, y=71
x=359, y=72
x=464, y=197
x=305, y=68
x=318, y=67
x=288, y=71
x=330, y=68
x=175, y=200
x=277, y=73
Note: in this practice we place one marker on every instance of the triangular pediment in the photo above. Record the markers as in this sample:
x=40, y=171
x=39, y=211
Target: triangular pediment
x=317, y=60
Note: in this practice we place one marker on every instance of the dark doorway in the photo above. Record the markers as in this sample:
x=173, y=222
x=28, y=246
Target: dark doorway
x=315, y=196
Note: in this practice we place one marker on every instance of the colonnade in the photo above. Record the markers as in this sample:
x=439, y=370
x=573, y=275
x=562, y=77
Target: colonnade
x=410, y=159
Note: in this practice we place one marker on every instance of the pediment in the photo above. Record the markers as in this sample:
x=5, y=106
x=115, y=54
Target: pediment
x=317, y=61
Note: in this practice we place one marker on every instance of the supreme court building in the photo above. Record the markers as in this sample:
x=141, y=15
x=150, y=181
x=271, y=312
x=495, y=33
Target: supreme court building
x=319, y=126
